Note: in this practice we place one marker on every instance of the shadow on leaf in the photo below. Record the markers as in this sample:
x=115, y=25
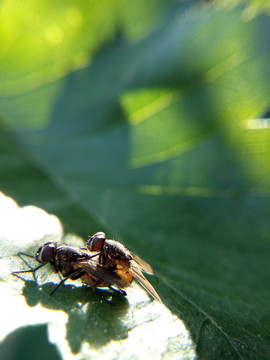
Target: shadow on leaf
x=93, y=317
x=28, y=342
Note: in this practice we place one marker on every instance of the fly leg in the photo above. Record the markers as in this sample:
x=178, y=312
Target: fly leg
x=21, y=254
x=91, y=283
x=76, y=274
x=31, y=270
x=118, y=291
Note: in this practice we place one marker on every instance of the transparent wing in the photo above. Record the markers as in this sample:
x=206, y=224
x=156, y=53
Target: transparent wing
x=138, y=275
x=143, y=264
x=108, y=276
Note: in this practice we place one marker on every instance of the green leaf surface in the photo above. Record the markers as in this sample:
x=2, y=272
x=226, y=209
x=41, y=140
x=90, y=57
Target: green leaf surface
x=145, y=131
x=75, y=320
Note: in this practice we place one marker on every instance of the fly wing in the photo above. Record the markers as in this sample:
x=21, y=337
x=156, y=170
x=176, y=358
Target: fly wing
x=143, y=264
x=108, y=276
x=138, y=275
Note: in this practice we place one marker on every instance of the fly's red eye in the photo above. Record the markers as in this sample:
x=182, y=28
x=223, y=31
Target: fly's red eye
x=46, y=252
x=96, y=242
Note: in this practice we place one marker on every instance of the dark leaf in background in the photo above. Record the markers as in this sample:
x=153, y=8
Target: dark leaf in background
x=143, y=120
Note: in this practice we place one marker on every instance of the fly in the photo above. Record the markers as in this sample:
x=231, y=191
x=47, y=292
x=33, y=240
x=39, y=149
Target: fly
x=118, y=259
x=72, y=262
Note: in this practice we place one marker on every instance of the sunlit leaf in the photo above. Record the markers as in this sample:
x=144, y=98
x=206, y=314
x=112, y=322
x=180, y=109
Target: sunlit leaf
x=143, y=127
x=78, y=320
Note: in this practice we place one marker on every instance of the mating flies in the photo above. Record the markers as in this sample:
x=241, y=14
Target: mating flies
x=116, y=258
x=72, y=262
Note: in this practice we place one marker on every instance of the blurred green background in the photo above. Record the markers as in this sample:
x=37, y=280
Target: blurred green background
x=146, y=120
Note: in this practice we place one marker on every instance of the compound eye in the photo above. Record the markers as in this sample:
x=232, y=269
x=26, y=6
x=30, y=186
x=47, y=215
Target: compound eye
x=46, y=252
x=96, y=242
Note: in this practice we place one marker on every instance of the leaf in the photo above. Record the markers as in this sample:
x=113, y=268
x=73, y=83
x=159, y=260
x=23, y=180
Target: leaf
x=148, y=140
x=78, y=320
